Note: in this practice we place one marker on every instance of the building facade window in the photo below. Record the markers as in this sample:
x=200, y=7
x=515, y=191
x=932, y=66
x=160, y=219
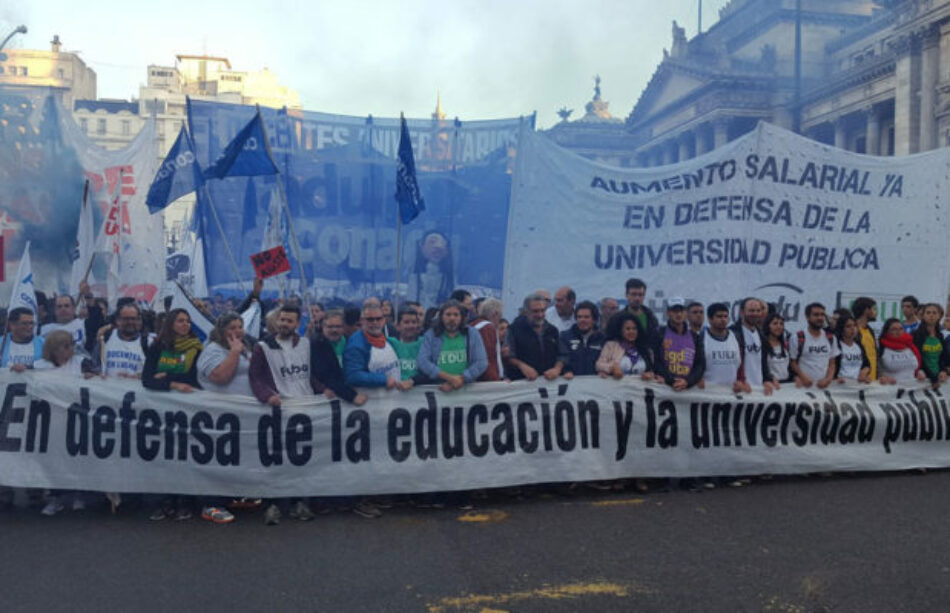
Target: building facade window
x=126, y=127
x=84, y=125
x=22, y=71
x=100, y=126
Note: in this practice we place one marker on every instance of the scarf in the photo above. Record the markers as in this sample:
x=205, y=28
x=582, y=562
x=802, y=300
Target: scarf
x=376, y=341
x=190, y=346
x=902, y=342
x=631, y=352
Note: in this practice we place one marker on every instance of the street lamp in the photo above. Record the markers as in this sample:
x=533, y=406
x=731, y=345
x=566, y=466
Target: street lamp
x=19, y=30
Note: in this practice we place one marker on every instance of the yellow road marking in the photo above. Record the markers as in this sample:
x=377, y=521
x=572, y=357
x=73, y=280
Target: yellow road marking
x=481, y=602
x=618, y=502
x=483, y=516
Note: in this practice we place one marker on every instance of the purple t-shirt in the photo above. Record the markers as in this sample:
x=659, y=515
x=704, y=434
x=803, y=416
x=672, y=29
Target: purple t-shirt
x=679, y=352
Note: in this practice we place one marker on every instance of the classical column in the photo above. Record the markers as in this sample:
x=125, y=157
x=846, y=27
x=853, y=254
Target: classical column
x=669, y=152
x=841, y=133
x=906, y=103
x=720, y=132
x=929, y=65
x=683, y=144
x=873, y=137
x=702, y=139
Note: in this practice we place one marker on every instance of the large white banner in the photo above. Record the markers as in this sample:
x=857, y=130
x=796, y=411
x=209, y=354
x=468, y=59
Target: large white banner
x=770, y=214
x=115, y=436
x=139, y=235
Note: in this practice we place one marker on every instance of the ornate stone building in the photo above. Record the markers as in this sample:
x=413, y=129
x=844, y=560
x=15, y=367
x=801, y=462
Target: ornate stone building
x=874, y=78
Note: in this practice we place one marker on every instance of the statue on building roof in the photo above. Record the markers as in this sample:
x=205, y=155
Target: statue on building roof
x=564, y=113
x=680, y=45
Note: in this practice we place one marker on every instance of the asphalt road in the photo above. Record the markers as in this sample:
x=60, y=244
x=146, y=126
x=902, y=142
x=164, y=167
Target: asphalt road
x=847, y=543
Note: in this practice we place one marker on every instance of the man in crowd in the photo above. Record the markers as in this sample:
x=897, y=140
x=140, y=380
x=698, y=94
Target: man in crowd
x=83, y=330
x=533, y=343
x=21, y=348
x=679, y=356
x=813, y=351
x=120, y=349
x=452, y=353
x=909, y=306
x=747, y=334
x=695, y=316
x=723, y=351
x=608, y=307
x=351, y=320
x=282, y=366
x=489, y=317
x=369, y=359
x=464, y=297
x=580, y=346
x=636, y=291
x=332, y=330
x=865, y=311
x=561, y=314
x=407, y=345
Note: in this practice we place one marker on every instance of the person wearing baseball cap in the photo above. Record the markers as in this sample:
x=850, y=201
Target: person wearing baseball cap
x=680, y=359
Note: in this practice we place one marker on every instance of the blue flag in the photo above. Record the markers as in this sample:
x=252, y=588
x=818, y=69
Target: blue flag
x=249, y=215
x=407, y=188
x=178, y=175
x=247, y=155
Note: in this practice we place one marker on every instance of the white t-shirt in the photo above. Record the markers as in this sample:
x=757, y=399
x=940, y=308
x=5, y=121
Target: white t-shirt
x=753, y=356
x=722, y=359
x=211, y=358
x=851, y=360
x=562, y=324
x=778, y=362
x=76, y=327
x=902, y=365
x=384, y=360
x=21, y=353
x=815, y=354
x=122, y=356
x=629, y=367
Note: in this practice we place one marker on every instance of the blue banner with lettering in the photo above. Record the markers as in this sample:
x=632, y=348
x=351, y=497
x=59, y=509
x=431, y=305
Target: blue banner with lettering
x=337, y=176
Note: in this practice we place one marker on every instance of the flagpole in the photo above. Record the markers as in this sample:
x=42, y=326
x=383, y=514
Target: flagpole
x=224, y=238
x=294, y=244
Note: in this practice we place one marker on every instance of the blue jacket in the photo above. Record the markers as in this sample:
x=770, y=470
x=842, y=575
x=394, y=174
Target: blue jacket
x=476, y=359
x=356, y=362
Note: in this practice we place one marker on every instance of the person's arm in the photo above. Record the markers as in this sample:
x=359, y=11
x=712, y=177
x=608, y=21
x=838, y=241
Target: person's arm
x=223, y=372
x=428, y=356
x=699, y=362
x=477, y=360
x=151, y=378
x=355, y=359
x=605, y=360
x=490, y=341
x=325, y=369
x=261, y=378
x=564, y=352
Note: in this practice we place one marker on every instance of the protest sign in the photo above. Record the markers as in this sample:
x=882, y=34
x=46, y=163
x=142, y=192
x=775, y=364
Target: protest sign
x=270, y=262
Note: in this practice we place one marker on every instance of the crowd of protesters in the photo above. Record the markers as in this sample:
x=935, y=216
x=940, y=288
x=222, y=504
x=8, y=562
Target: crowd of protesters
x=309, y=350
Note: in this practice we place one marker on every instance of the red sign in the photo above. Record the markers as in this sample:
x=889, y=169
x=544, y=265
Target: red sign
x=271, y=262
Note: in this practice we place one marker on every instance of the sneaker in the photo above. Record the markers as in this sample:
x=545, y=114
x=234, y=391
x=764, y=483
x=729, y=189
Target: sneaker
x=367, y=510
x=161, y=513
x=245, y=503
x=272, y=515
x=217, y=515
x=301, y=511
x=182, y=514
x=79, y=504
x=52, y=508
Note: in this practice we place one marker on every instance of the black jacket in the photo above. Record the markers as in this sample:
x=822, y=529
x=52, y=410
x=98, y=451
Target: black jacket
x=579, y=355
x=540, y=353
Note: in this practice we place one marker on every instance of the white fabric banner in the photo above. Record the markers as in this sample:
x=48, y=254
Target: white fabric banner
x=112, y=435
x=770, y=214
x=140, y=235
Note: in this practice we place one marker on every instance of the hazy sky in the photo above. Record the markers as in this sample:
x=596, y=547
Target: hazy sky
x=489, y=58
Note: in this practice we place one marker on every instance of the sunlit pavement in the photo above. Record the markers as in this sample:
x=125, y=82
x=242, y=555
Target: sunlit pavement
x=872, y=542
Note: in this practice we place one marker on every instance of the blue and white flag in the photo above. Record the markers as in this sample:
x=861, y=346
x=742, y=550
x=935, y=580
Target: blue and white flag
x=246, y=155
x=85, y=246
x=178, y=175
x=24, y=292
x=201, y=325
x=407, y=188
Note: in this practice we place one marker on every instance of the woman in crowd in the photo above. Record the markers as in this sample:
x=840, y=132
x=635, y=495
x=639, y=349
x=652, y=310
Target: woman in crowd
x=59, y=355
x=852, y=362
x=775, y=352
x=171, y=364
x=223, y=365
x=899, y=358
x=624, y=353
x=931, y=344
